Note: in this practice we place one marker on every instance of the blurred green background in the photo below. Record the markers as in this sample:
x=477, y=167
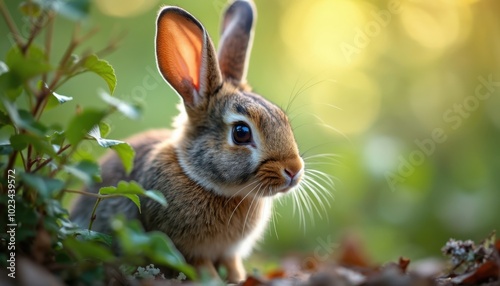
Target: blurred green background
x=405, y=93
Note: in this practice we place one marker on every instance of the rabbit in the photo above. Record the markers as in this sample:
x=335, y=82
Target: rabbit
x=230, y=153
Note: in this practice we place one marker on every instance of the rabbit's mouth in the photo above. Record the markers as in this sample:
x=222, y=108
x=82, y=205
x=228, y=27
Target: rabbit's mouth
x=280, y=178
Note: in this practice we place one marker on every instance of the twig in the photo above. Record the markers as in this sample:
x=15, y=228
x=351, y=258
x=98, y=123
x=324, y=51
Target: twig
x=75, y=41
x=37, y=27
x=99, y=199
x=112, y=45
x=48, y=40
x=30, y=163
x=10, y=24
x=92, y=215
x=51, y=159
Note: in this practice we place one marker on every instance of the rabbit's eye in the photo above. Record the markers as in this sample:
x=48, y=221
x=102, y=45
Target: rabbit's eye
x=242, y=134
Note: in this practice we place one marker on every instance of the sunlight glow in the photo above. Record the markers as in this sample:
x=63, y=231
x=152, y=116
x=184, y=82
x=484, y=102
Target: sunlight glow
x=437, y=24
x=313, y=31
x=125, y=8
x=357, y=99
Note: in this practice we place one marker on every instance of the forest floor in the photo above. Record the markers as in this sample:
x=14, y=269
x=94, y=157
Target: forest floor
x=466, y=263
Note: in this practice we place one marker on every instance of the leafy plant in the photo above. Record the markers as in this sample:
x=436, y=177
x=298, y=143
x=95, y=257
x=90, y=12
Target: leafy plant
x=40, y=163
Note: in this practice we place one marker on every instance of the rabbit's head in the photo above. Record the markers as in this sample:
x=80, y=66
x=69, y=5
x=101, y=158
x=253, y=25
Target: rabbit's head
x=232, y=141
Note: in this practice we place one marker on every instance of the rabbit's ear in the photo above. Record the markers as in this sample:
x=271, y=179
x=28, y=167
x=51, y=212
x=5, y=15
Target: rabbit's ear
x=185, y=56
x=236, y=40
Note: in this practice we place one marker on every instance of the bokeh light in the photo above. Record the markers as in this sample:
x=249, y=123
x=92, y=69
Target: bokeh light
x=437, y=24
x=382, y=81
x=125, y=8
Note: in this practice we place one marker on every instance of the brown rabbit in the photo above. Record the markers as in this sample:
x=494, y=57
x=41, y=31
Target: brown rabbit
x=230, y=153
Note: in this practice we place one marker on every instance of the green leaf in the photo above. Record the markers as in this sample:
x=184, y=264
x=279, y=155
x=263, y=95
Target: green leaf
x=21, y=141
x=134, y=188
x=124, y=150
x=85, y=250
x=4, y=119
x=126, y=154
x=54, y=211
x=46, y=187
x=132, y=111
x=131, y=190
x=82, y=123
x=9, y=83
x=103, y=69
x=61, y=98
x=104, y=129
x=25, y=66
x=10, y=86
x=123, y=187
x=75, y=10
x=156, y=196
x=135, y=199
x=155, y=245
x=57, y=138
x=90, y=235
x=162, y=250
x=85, y=170
x=95, y=133
x=23, y=119
x=55, y=99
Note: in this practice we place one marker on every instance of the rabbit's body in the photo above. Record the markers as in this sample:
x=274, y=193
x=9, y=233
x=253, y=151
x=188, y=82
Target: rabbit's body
x=201, y=224
x=230, y=152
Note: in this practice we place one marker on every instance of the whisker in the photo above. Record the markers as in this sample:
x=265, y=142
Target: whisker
x=297, y=206
x=306, y=203
x=324, y=124
x=320, y=188
x=273, y=218
x=304, y=153
x=323, y=164
x=231, y=216
x=319, y=200
x=242, y=188
x=324, y=177
x=323, y=155
x=256, y=197
x=305, y=87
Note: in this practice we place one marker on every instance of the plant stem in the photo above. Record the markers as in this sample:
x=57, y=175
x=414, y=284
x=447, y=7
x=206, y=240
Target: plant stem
x=35, y=30
x=92, y=215
x=25, y=165
x=30, y=162
x=51, y=159
x=10, y=24
x=99, y=199
x=48, y=40
x=75, y=41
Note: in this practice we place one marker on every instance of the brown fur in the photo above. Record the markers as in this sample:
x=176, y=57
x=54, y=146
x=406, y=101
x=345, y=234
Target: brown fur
x=219, y=193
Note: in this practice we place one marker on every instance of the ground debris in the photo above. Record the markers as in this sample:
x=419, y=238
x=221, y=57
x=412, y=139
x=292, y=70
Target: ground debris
x=473, y=264
x=469, y=264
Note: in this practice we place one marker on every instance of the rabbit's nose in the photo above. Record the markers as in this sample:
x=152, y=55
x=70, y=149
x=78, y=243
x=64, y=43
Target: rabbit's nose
x=290, y=173
x=293, y=169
